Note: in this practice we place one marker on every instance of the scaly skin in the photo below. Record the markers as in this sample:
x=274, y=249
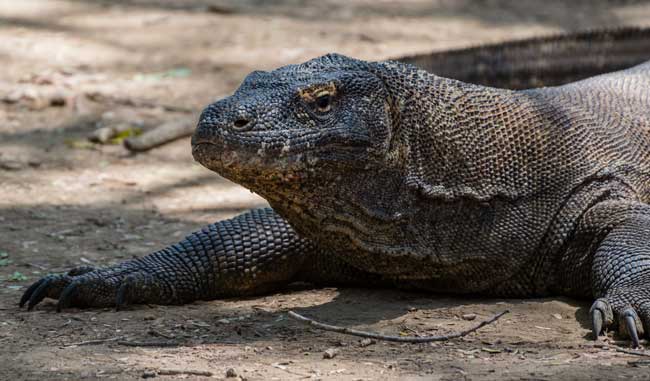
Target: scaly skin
x=378, y=172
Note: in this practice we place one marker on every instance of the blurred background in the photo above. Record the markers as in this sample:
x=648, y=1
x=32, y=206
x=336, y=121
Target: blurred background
x=71, y=67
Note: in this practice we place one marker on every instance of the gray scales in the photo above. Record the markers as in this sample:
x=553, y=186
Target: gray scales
x=380, y=173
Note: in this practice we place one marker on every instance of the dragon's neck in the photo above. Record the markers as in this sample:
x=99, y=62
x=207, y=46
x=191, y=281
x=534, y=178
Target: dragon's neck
x=456, y=140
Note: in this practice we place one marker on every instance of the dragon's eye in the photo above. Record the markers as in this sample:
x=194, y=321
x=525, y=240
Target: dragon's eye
x=324, y=102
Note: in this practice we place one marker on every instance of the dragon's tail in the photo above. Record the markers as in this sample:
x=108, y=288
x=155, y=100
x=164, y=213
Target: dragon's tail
x=541, y=61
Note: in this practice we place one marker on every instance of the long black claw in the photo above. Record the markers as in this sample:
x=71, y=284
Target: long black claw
x=27, y=294
x=66, y=296
x=38, y=294
x=596, y=322
x=630, y=324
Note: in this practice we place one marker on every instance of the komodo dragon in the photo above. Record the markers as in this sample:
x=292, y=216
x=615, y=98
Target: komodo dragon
x=379, y=173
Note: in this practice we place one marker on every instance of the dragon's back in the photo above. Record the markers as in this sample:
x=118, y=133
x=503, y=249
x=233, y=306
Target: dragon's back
x=607, y=120
x=626, y=91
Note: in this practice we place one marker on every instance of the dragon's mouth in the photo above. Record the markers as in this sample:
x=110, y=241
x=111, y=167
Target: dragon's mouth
x=283, y=143
x=277, y=150
x=255, y=170
x=211, y=152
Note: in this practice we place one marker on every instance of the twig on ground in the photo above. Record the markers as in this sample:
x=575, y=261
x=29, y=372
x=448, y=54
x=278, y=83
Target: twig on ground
x=93, y=342
x=633, y=352
x=284, y=368
x=138, y=103
x=148, y=343
x=190, y=372
x=37, y=266
x=399, y=339
x=162, y=134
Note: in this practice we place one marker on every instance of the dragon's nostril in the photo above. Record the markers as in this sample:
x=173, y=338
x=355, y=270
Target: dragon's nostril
x=241, y=123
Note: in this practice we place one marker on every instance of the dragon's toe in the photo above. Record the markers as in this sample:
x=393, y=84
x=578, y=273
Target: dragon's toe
x=601, y=316
x=630, y=323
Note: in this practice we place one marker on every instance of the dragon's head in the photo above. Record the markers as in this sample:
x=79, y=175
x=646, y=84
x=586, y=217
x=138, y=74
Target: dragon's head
x=326, y=118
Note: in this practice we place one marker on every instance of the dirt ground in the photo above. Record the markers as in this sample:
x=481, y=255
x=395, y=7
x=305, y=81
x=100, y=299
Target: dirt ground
x=69, y=67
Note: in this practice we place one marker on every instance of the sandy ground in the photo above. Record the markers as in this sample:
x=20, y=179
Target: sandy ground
x=69, y=67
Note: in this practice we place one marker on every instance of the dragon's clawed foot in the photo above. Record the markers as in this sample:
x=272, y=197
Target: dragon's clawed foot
x=86, y=286
x=629, y=307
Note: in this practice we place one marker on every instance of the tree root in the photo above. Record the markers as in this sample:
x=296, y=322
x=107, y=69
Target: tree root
x=165, y=133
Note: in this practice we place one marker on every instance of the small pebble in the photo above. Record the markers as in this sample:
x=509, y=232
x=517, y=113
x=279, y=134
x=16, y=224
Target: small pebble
x=149, y=374
x=469, y=316
x=367, y=342
x=230, y=373
x=330, y=353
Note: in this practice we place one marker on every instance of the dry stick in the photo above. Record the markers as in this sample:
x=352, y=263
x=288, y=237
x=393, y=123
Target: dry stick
x=148, y=344
x=177, y=372
x=100, y=97
x=631, y=352
x=284, y=368
x=399, y=339
x=93, y=342
x=162, y=134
